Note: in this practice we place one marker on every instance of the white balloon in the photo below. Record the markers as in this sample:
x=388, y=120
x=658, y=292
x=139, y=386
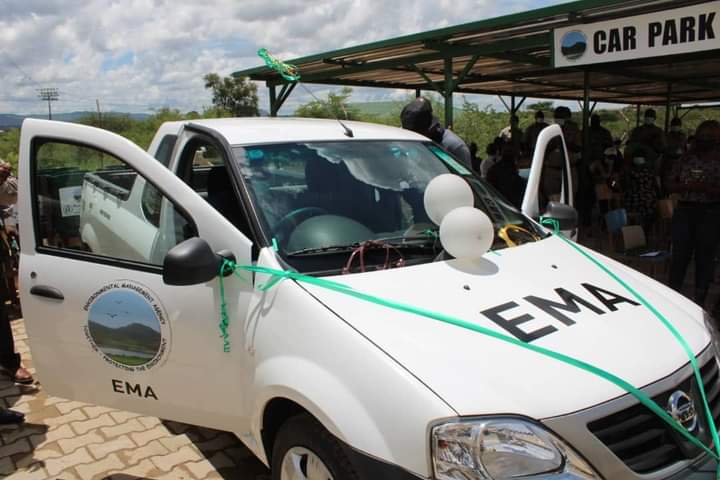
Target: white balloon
x=445, y=193
x=467, y=233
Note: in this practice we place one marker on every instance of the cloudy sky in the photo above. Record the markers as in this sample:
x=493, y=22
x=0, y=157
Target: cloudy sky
x=139, y=55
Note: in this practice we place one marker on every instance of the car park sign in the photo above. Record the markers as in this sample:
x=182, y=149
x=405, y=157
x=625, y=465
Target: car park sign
x=670, y=32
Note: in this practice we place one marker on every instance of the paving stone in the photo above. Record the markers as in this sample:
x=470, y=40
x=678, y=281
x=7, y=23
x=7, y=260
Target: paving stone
x=57, y=465
x=37, y=473
x=73, y=416
x=144, y=469
x=141, y=438
x=52, y=435
x=219, y=442
x=22, y=431
x=99, y=468
x=125, y=428
x=238, y=454
x=103, y=449
x=87, y=425
x=19, y=446
x=37, y=458
x=122, y=417
x=177, y=473
x=6, y=466
x=52, y=401
x=174, y=443
x=152, y=449
x=69, y=406
x=168, y=462
x=71, y=444
x=202, y=468
x=176, y=427
x=96, y=411
x=150, y=422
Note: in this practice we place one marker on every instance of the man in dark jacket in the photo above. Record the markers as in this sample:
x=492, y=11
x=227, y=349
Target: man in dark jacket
x=418, y=117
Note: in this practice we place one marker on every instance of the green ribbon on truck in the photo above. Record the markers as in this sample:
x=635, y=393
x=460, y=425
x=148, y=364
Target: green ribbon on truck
x=277, y=276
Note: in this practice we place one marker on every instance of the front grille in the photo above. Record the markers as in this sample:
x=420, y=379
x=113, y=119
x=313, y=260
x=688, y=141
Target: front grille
x=644, y=442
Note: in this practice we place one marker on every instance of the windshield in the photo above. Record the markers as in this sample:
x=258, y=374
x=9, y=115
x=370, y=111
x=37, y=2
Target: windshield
x=318, y=201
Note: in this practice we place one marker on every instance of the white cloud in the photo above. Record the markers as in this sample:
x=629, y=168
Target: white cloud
x=135, y=55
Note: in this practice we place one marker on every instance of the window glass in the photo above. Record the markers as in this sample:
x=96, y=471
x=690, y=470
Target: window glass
x=314, y=195
x=165, y=149
x=88, y=200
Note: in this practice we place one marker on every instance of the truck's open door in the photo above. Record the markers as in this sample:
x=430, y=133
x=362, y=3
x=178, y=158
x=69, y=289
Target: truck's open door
x=102, y=324
x=551, y=176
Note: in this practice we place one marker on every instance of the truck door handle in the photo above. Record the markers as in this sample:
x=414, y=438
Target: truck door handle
x=46, y=291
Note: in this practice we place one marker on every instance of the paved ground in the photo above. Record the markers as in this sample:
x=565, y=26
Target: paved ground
x=70, y=440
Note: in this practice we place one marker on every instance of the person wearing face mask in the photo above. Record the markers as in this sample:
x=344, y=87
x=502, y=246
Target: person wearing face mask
x=603, y=171
x=696, y=219
x=641, y=190
x=650, y=138
x=676, y=138
x=531, y=133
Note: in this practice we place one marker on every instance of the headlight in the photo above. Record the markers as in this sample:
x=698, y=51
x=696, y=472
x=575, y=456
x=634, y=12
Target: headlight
x=711, y=325
x=503, y=448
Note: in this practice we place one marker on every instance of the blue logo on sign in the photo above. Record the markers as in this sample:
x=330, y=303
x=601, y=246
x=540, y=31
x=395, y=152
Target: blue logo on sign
x=573, y=45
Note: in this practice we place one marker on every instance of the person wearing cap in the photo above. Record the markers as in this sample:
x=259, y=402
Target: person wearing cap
x=532, y=131
x=418, y=117
x=9, y=360
x=650, y=138
x=696, y=219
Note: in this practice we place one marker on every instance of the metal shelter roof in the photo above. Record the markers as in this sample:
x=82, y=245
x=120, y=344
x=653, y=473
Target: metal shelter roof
x=512, y=55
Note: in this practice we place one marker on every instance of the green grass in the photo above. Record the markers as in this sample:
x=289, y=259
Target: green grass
x=129, y=360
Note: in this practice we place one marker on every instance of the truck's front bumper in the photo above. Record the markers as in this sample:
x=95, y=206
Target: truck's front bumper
x=704, y=469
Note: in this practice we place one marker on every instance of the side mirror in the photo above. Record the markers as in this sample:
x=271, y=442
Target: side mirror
x=566, y=216
x=191, y=262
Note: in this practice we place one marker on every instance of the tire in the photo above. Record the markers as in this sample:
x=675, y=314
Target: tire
x=300, y=438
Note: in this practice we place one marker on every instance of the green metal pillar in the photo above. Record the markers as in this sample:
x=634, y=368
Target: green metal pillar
x=637, y=115
x=417, y=93
x=273, y=100
x=448, y=92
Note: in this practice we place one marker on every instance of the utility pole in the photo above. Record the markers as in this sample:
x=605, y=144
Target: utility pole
x=50, y=95
x=97, y=103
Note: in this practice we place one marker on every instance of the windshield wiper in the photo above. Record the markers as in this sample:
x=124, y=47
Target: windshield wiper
x=396, y=242
x=327, y=249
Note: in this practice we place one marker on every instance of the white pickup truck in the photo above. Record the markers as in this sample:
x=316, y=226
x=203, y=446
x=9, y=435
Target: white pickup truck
x=327, y=383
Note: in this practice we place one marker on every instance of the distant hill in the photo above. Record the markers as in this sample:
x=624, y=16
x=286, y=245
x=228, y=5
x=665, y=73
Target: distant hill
x=134, y=337
x=376, y=108
x=11, y=120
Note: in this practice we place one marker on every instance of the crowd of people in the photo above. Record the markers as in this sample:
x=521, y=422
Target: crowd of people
x=652, y=174
x=10, y=361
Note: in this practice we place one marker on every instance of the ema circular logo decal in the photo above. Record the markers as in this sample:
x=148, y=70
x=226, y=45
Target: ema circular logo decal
x=127, y=326
x=573, y=45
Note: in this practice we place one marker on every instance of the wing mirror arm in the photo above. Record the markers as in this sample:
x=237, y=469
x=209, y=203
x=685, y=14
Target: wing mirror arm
x=566, y=216
x=193, y=262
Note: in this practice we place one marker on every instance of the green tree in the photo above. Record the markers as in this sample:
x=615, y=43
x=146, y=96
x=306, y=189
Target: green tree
x=335, y=106
x=236, y=95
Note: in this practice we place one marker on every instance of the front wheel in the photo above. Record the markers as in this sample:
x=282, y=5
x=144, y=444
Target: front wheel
x=304, y=450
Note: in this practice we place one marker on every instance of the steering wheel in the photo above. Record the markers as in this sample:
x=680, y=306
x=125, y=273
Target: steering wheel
x=504, y=234
x=287, y=224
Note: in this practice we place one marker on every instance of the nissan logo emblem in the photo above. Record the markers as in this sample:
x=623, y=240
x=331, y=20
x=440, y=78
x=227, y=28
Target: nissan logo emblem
x=682, y=408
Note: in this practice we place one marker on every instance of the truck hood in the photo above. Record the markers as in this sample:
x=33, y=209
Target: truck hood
x=519, y=292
